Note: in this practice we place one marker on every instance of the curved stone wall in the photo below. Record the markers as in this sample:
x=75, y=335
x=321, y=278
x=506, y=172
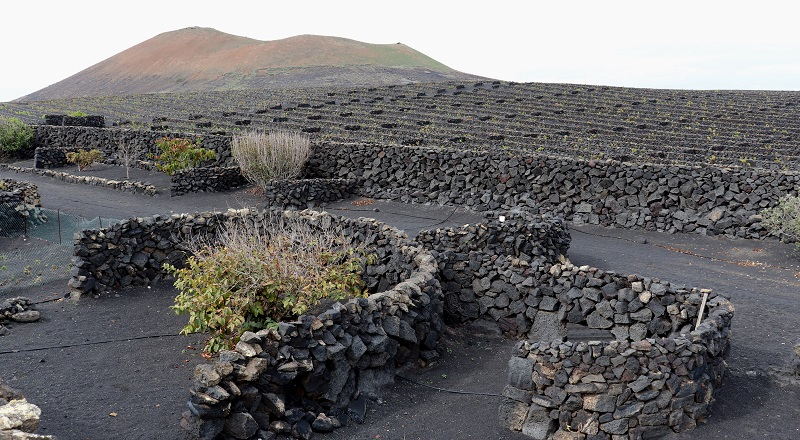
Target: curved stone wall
x=316, y=374
x=652, y=374
x=488, y=269
x=312, y=373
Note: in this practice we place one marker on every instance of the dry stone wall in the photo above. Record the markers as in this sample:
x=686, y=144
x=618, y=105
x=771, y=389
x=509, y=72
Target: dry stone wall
x=308, y=193
x=312, y=374
x=206, y=179
x=707, y=200
x=75, y=121
x=19, y=206
x=657, y=376
x=488, y=269
x=108, y=140
x=120, y=185
x=14, y=191
x=317, y=373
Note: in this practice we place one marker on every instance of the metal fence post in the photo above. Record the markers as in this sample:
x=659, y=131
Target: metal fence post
x=58, y=215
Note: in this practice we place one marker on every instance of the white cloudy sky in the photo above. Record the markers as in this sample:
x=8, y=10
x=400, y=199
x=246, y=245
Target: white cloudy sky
x=672, y=44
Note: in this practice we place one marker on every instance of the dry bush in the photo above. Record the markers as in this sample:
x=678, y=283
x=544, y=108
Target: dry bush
x=265, y=158
x=245, y=278
x=783, y=220
x=84, y=158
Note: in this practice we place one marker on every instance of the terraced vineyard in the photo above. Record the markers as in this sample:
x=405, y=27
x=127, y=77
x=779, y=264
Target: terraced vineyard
x=741, y=128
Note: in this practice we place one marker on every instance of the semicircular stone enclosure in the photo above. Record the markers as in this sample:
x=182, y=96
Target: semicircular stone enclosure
x=638, y=365
x=601, y=355
x=316, y=371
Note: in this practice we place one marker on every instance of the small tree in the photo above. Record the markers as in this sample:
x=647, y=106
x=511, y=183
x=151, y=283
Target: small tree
x=125, y=152
x=265, y=158
x=783, y=220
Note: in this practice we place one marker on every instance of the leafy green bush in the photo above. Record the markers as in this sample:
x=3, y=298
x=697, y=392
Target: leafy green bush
x=84, y=158
x=783, y=220
x=15, y=135
x=179, y=154
x=250, y=279
x=77, y=114
x=264, y=158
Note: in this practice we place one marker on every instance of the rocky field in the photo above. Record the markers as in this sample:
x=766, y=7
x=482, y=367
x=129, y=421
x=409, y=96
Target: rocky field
x=731, y=128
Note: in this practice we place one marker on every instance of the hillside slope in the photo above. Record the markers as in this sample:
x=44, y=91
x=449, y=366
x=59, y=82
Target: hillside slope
x=204, y=59
x=717, y=127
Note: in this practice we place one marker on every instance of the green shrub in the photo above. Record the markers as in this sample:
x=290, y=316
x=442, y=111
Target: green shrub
x=77, y=114
x=264, y=158
x=783, y=220
x=250, y=279
x=84, y=158
x=179, y=154
x=15, y=135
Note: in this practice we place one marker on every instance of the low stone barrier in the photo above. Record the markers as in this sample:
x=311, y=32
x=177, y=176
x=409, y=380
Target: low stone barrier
x=17, y=310
x=13, y=191
x=97, y=121
x=653, y=373
x=19, y=419
x=316, y=374
x=706, y=200
x=308, y=193
x=311, y=374
x=121, y=185
x=108, y=141
x=19, y=205
x=209, y=179
x=488, y=269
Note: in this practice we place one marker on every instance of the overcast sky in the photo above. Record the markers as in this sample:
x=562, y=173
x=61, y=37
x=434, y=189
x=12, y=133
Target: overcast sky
x=670, y=44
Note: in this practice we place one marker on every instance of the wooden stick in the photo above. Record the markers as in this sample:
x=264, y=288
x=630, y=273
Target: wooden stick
x=702, y=309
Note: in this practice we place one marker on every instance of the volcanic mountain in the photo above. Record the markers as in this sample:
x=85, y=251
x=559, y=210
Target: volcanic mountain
x=205, y=59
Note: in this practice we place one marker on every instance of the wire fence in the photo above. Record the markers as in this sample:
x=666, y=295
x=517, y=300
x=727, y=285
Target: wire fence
x=36, y=246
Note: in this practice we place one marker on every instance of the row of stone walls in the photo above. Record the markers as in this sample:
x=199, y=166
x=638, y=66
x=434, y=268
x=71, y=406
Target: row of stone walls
x=705, y=200
x=108, y=141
